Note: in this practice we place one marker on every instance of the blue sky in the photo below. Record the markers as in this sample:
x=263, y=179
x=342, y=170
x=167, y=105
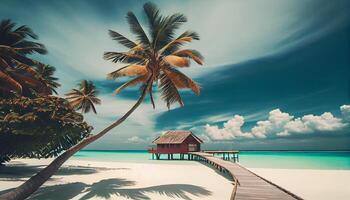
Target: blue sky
x=276, y=73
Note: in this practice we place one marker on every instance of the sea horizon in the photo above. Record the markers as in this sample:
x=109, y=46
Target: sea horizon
x=291, y=159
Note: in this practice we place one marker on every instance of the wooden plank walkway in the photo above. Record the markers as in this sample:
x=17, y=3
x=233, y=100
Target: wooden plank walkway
x=247, y=185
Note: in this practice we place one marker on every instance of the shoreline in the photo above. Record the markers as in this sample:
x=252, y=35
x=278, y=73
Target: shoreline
x=170, y=180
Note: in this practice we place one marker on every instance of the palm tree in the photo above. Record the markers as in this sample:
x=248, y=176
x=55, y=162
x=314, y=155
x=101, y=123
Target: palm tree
x=150, y=60
x=16, y=71
x=44, y=73
x=84, y=98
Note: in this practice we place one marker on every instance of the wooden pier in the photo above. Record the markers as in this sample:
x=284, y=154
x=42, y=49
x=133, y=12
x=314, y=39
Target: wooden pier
x=247, y=185
x=226, y=154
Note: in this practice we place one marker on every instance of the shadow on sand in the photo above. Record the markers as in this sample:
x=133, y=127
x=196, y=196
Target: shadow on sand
x=107, y=188
x=18, y=172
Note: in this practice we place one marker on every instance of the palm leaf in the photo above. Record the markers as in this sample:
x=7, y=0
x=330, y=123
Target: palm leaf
x=177, y=61
x=26, y=31
x=28, y=47
x=176, y=42
x=170, y=94
x=9, y=82
x=167, y=29
x=124, y=57
x=170, y=47
x=190, y=53
x=133, y=82
x=9, y=51
x=137, y=29
x=122, y=40
x=130, y=70
x=154, y=18
x=181, y=80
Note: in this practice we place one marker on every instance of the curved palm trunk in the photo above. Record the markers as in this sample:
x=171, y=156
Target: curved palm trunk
x=31, y=185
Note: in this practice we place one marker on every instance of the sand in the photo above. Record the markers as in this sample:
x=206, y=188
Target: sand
x=118, y=180
x=310, y=184
x=82, y=179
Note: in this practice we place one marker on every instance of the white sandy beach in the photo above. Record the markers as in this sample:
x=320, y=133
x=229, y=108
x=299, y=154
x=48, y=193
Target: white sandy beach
x=81, y=179
x=117, y=180
x=310, y=183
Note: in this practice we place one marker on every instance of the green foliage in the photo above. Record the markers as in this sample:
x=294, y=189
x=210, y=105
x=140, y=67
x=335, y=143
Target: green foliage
x=38, y=127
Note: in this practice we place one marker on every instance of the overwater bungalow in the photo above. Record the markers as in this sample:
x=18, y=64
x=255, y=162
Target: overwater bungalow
x=176, y=142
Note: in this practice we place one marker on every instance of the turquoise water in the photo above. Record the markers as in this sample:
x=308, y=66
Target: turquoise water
x=258, y=159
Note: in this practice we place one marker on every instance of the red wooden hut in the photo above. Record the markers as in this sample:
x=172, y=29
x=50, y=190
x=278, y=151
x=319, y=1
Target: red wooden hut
x=176, y=142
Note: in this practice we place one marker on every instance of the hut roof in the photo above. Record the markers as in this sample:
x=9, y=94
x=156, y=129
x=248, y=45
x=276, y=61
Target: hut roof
x=175, y=137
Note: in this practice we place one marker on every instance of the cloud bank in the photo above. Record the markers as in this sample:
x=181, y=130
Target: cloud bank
x=281, y=124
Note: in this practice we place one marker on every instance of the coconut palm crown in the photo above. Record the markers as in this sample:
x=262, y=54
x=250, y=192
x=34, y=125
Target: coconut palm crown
x=85, y=97
x=157, y=56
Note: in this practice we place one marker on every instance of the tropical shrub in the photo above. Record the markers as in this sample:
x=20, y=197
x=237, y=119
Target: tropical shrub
x=38, y=127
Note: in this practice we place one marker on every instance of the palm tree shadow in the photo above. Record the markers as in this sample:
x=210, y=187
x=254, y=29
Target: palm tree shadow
x=170, y=191
x=110, y=187
x=56, y=192
x=18, y=172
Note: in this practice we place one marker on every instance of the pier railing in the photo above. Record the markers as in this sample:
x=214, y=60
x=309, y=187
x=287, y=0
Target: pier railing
x=219, y=164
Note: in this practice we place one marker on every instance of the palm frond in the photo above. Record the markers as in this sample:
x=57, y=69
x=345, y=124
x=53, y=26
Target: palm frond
x=91, y=103
x=170, y=94
x=137, y=29
x=167, y=29
x=124, y=57
x=28, y=47
x=133, y=82
x=130, y=70
x=181, y=80
x=10, y=83
x=177, y=61
x=26, y=31
x=175, y=43
x=190, y=53
x=74, y=93
x=169, y=49
x=154, y=19
x=10, y=52
x=121, y=39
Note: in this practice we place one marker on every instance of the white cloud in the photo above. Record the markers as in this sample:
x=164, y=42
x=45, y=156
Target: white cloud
x=280, y=124
x=275, y=124
x=135, y=139
x=231, y=129
x=345, y=110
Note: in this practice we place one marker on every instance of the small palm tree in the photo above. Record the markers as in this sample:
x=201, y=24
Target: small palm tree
x=16, y=71
x=150, y=60
x=85, y=97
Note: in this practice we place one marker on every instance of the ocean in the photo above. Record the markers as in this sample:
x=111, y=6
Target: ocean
x=251, y=159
